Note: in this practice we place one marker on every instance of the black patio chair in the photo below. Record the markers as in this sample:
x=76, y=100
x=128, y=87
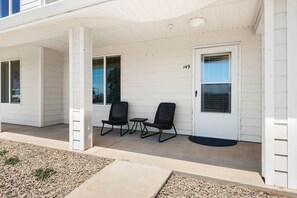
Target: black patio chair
x=118, y=116
x=163, y=121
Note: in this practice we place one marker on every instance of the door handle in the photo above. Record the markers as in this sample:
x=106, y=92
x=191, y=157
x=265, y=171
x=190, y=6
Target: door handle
x=196, y=93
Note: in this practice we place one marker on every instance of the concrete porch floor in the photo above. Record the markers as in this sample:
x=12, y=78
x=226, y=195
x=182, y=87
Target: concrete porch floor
x=243, y=156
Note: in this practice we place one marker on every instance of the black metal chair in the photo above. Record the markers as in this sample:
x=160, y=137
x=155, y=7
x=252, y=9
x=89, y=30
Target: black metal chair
x=163, y=121
x=118, y=116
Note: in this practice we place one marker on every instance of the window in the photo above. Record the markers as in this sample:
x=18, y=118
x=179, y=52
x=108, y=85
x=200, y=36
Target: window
x=106, y=80
x=216, y=83
x=10, y=82
x=5, y=8
x=98, y=81
x=16, y=7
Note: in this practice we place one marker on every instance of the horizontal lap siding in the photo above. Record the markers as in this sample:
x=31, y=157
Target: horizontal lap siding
x=26, y=113
x=251, y=90
x=65, y=88
x=29, y=4
x=280, y=94
x=53, y=111
x=156, y=72
x=152, y=72
x=50, y=1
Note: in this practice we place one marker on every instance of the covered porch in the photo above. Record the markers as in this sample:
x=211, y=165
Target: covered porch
x=160, y=60
x=243, y=156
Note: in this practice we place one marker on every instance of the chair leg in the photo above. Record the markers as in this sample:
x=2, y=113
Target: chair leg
x=134, y=126
x=175, y=130
x=163, y=140
x=122, y=134
x=102, y=134
x=144, y=134
x=140, y=127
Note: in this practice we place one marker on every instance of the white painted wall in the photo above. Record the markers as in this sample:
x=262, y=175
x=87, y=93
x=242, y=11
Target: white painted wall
x=65, y=88
x=279, y=47
x=292, y=90
x=26, y=113
x=52, y=93
x=280, y=93
x=153, y=72
x=50, y=1
x=29, y=4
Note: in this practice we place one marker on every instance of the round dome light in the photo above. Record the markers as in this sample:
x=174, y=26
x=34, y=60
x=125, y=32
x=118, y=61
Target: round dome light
x=197, y=21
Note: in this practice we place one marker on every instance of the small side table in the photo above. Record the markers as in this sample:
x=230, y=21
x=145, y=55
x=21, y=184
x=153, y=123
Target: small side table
x=135, y=124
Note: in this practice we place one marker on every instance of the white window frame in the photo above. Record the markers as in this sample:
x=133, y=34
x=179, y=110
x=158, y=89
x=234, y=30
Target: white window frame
x=9, y=80
x=104, y=76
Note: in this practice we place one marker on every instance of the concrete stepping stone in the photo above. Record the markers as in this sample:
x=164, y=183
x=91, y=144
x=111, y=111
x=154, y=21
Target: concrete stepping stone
x=123, y=179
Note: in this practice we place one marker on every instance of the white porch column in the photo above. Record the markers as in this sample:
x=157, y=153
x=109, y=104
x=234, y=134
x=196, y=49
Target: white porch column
x=292, y=92
x=80, y=85
x=280, y=93
x=268, y=96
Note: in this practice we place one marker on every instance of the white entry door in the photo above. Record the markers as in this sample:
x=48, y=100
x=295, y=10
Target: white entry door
x=216, y=92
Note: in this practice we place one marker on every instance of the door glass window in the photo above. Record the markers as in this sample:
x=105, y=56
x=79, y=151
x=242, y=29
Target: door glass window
x=216, y=83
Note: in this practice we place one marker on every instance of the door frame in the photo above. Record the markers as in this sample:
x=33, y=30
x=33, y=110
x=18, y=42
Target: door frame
x=194, y=72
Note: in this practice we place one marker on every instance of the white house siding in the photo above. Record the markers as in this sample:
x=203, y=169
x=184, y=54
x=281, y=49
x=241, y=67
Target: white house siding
x=28, y=111
x=152, y=72
x=29, y=4
x=279, y=163
x=50, y=1
x=52, y=94
x=65, y=87
x=280, y=91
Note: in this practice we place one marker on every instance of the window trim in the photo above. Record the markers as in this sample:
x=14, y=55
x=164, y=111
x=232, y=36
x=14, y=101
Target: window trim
x=104, y=56
x=9, y=80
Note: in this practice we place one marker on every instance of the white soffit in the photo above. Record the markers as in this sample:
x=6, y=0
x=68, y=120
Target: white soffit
x=108, y=29
x=151, y=10
x=220, y=16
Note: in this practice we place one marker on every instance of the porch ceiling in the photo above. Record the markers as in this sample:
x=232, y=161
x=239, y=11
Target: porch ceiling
x=108, y=30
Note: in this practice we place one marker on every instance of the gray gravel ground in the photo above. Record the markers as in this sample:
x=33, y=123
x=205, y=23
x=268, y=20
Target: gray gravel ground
x=186, y=186
x=72, y=169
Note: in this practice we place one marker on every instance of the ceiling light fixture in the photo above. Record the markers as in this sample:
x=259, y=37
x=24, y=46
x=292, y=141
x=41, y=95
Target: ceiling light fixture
x=197, y=21
x=171, y=26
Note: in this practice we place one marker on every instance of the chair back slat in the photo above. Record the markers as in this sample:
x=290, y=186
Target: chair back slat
x=118, y=111
x=165, y=114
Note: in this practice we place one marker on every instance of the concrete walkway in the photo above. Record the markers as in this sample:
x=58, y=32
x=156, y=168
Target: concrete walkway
x=123, y=179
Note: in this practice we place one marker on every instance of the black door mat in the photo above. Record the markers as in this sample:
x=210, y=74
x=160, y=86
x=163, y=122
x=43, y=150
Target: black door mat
x=212, y=141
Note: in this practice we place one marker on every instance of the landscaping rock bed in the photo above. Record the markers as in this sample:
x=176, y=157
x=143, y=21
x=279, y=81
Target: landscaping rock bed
x=186, y=186
x=71, y=170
